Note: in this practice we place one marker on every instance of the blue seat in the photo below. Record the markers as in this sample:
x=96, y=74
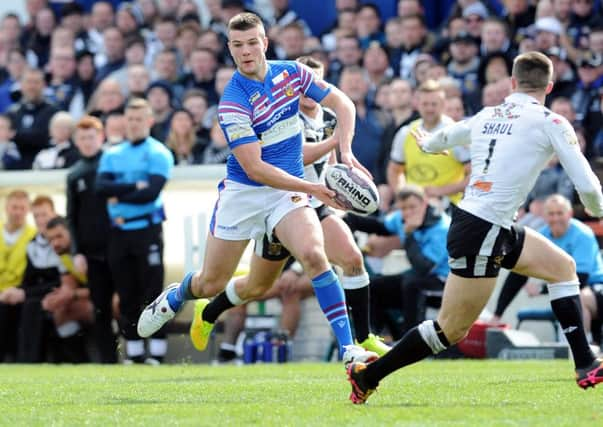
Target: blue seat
x=539, y=315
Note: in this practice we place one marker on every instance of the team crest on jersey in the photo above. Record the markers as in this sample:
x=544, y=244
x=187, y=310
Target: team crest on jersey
x=505, y=111
x=289, y=90
x=274, y=249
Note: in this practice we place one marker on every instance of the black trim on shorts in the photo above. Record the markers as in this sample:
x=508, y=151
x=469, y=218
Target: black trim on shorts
x=323, y=211
x=478, y=248
x=272, y=249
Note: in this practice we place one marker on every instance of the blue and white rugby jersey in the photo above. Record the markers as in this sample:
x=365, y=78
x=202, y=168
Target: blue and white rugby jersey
x=252, y=111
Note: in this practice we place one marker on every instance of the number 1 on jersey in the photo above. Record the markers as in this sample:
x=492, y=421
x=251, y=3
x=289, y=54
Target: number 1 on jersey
x=490, y=152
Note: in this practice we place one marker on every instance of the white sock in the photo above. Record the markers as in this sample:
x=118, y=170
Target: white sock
x=430, y=336
x=134, y=348
x=158, y=347
x=231, y=293
x=68, y=329
x=355, y=282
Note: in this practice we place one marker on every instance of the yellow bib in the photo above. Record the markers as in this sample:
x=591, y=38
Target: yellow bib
x=425, y=169
x=67, y=261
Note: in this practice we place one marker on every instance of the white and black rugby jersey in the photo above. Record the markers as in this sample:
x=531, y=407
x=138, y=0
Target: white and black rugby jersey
x=510, y=145
x=317, y=129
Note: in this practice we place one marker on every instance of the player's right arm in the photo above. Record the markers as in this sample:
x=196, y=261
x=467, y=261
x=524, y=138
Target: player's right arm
x=458, y=133
x=565, y=144
x=249, y=157
x=315, y=150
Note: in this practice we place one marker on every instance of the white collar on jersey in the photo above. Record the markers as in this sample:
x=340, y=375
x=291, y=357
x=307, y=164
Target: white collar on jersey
x=521, y=98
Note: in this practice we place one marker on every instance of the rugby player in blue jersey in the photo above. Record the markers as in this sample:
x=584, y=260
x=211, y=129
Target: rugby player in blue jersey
x=264, y=196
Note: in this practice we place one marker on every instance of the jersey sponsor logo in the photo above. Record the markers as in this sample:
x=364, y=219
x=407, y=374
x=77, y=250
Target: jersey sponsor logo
x=422, y=172
x=281, y=131
x=277, y=116
x=231, y=118
x=570, y=137
x=237, y=131
x=280, y=77
x=228, y=227
x=254, y=97
x=505, y=111
x=497, y=129
x=485, y=186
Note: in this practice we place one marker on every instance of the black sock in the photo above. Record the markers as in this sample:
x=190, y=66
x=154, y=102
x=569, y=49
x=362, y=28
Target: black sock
x=410, y=349
x=569, y=314
x=137, y=359
x=358, y=304
x=513, y=284
x=217, y=306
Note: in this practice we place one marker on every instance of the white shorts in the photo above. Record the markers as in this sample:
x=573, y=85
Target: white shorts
x=245, y=212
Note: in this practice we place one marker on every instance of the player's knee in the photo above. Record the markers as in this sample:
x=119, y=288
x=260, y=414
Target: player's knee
x=313, y=260
x=352, y=263
x=454, y=331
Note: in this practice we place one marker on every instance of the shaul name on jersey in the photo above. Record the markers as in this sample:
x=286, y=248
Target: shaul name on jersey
x=497, y=129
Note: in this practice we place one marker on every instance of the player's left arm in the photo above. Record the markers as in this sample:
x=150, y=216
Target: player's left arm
x=345, y=111
x=565, y=144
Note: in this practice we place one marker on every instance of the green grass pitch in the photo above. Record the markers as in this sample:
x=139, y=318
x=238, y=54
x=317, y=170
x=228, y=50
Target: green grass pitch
x=432, y=393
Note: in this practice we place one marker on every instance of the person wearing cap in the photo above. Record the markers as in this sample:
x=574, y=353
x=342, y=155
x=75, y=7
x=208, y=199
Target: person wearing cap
x=161, y=100
x=548, y=30
x=586, y=97
x=474, y=15
x=464, y=65
x=564, y=75
x=128, y=19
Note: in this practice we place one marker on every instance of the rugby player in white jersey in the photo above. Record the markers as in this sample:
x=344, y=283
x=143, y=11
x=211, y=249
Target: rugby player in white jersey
x=510, y=144
x=340, y=247
x=264, y=193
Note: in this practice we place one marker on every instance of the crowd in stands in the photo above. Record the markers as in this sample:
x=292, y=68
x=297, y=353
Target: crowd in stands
x=69, y=62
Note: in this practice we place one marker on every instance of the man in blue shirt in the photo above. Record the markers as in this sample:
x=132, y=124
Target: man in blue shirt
x=422, y=232
x=571, y=235
x=264, y=193
x=132, y=175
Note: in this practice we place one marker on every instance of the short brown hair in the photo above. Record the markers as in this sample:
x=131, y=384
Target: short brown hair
x=17, y=194
x=532, y=71
x=89, y=122
x=429, y=86
x=410, y=190
x=315, y=64
x=245, y=21
x=138, y=104
x=43, y=200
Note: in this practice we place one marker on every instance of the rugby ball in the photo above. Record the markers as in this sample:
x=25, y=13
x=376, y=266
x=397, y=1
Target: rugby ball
x=353, y=189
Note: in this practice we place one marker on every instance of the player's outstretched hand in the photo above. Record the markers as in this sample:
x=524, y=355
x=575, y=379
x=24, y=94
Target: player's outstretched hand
x=421, y=136
x=322, y=193
x=349, y=159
